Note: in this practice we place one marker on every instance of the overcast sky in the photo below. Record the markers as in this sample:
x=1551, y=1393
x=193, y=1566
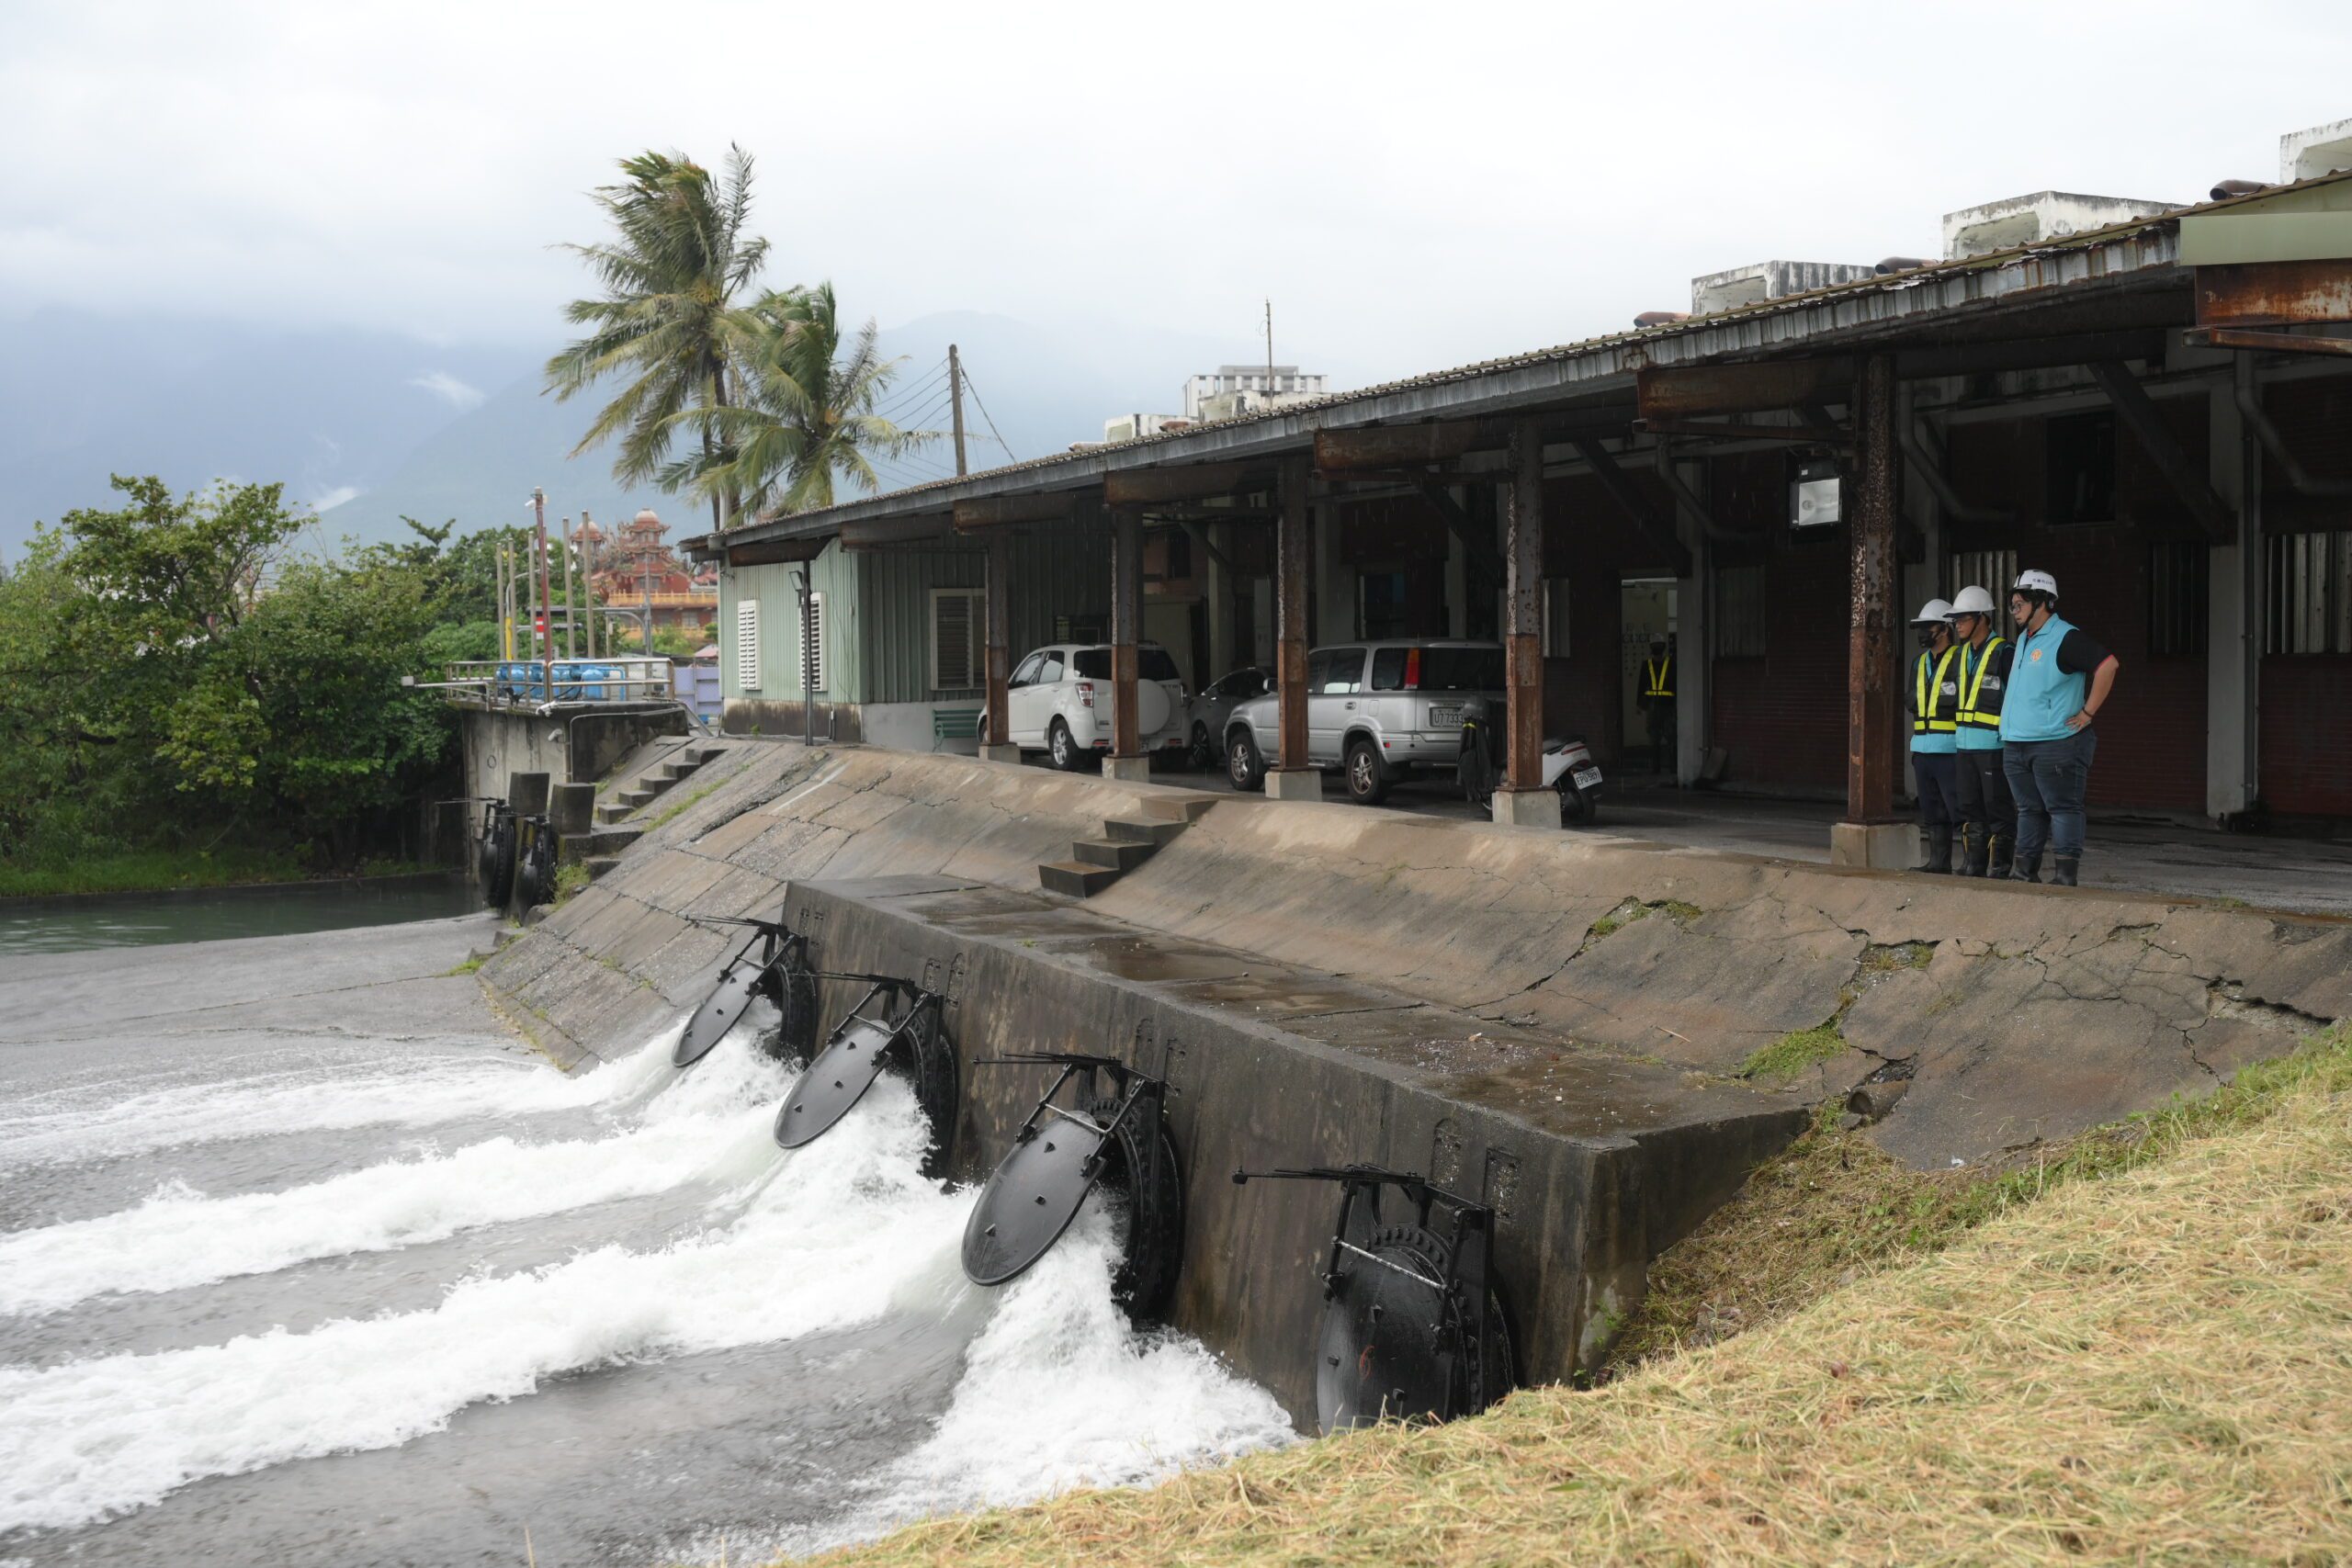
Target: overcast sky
x=1414, y=185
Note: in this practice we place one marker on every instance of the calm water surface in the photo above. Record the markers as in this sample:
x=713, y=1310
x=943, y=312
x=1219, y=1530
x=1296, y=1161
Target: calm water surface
x=140, y=919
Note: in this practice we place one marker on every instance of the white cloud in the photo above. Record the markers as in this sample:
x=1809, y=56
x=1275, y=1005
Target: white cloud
x=334, y=497
x=449, y=390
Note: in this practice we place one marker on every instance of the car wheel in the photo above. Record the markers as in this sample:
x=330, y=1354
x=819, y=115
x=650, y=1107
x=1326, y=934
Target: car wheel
x=1062, y=747
x=1367, y=780
x=1203, y=754
x=1242, y=764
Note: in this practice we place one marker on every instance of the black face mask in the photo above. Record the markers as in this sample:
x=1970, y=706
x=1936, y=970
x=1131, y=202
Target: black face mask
x=1927, y=637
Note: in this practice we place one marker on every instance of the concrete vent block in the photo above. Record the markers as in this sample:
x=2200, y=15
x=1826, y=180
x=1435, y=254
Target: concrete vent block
x=2321, y=150
x=1759, y=281
x=2040, y=219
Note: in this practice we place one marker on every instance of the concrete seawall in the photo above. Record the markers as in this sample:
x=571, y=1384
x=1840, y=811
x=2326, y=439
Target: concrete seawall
x=1351, y=984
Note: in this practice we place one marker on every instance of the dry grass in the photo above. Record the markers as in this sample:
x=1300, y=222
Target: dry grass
x=2153, y=1367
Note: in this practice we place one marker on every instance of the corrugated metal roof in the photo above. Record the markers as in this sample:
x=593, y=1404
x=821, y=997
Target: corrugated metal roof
x=2113, y=254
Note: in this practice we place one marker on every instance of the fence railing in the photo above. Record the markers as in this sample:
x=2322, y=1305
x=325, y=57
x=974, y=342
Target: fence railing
x=531, y=682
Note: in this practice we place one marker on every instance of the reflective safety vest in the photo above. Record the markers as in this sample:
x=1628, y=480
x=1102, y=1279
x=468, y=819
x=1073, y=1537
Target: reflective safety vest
x=1980, y=698
x=1657, y=677
x=1929, y=731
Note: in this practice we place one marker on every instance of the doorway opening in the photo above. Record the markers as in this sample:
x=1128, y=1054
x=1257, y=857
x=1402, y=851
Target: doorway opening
x=1646, y=614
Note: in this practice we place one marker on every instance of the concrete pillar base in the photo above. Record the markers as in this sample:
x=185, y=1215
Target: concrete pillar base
x=1007, y=753
x=1527, y=807
x=1877, y=846
x=1295, y=784
x=572, y=809
x=1133, y=770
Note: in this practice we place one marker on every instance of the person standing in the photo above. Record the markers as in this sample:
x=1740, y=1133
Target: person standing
x=2059, y=679
x=1657, y=702
x=1988, y=817
x=1935, y=706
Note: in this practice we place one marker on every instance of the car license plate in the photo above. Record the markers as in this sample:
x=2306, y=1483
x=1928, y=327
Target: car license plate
x=1445, y=717
x=1588, y=778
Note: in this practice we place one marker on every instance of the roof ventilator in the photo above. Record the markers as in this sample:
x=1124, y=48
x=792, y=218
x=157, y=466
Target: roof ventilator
x=1412, y=1328
x=1119, y=1141
x=897, y=1025
x=772, y=963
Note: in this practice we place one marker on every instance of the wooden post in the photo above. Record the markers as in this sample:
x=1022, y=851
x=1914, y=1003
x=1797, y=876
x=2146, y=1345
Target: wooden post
x=1127, y=757
x=1290, y=618
x=1523, y=799
x=996, y=598
x=1871, y=707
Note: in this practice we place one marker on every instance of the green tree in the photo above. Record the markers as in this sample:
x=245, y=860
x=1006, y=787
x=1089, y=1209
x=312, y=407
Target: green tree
x=807, y=417
x=667, y=320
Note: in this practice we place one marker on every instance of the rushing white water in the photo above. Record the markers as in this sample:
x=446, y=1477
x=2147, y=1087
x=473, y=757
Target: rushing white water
x=706, y=1124
x=1054, y=1388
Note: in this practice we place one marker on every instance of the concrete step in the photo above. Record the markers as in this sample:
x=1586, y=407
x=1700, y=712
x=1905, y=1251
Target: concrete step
x=1127, y=831
x=631, y=799
x=612, y=811
x=1076, y=878
x=1119, y=855
x=599, y=864
x=1183, y=808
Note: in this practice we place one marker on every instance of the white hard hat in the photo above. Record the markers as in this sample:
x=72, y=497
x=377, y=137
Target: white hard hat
x=1972, y=601
x=1934, y=613
x=2040, y=581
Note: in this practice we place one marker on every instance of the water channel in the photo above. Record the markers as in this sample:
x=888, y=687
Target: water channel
x=281, y=1281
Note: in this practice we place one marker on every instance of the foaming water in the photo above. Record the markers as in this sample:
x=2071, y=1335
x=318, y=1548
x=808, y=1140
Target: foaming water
x=704, y=1124
x=636, y=1361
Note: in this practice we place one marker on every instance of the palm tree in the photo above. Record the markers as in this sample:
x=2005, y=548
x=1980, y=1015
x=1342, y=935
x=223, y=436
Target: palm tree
x=806, y=417
x=668, y=317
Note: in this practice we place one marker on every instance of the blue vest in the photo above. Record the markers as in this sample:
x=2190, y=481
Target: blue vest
x=1935, y=704
x=2040, y=698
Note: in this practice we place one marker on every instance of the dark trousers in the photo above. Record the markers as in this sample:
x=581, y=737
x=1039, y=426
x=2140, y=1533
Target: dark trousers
x=1664, y=733
x=2049, y=779
x=1939, y=788
x=1985, y=803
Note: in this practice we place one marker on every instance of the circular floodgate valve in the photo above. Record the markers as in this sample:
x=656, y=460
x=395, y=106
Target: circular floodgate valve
x=498, y=845
x=896, y=1026
x=1117, y=1141
x=1411, y=1328
x=534, y=869
x=775, y=964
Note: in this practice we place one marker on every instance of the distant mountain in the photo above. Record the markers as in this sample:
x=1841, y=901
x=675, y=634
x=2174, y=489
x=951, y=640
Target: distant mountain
x=329, y=412
x=372, y=426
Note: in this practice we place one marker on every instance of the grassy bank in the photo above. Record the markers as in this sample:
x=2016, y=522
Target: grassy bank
x=158, y=870
x=2137, y=1350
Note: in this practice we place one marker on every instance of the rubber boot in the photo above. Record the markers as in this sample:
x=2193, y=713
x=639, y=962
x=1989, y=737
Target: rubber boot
x=1938, y=861
x=2003, y=847
x=2064, y=869
x=1973, y=848
x=2028, y=868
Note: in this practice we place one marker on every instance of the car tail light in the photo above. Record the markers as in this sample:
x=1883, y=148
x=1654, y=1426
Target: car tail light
x=1086, y=693
x=1412, y=669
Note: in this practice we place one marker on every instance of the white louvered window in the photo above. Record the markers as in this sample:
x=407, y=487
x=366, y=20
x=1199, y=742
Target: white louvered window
x=955, y=619
x=812, y=646
x=747, y=645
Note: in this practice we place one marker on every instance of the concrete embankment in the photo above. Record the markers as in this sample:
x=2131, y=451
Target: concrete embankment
x=1576, y=1028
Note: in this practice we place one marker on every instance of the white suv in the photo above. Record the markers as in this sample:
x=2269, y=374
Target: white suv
x=1059, y=702
x=1378, y=710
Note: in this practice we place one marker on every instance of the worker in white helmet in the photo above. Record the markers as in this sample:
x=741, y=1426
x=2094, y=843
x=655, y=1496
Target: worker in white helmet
x=1934, y=703
x=2059, y=679
x=1988, y=817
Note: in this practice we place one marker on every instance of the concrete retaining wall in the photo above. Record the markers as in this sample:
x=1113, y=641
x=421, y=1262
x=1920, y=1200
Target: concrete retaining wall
x=574, y=743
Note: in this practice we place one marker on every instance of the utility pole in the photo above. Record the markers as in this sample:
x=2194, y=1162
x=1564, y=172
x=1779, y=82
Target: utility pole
x=498, y=575
x=645, y=581
x=547, y=618
x=1270, y=353
x=570, y=634
x=955, y=401
x=588, y=576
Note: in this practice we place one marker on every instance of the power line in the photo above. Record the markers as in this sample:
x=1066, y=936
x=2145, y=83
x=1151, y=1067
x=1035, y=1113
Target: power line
x=984, y=413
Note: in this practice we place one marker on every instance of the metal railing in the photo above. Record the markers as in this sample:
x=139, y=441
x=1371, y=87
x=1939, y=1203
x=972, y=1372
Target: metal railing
x=532, y=682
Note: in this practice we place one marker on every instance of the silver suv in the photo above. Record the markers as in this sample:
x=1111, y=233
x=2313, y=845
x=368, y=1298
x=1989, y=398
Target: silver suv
x=1375, y=710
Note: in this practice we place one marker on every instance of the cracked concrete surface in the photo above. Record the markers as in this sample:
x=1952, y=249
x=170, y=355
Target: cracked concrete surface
x=2039, y=1012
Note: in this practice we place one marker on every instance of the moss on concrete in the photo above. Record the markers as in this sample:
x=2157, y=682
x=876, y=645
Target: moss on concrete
x=1792, y=1054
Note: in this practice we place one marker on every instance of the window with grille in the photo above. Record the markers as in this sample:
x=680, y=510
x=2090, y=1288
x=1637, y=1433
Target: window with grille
x=747, y=644
x=2307, y=593
x=813, y=644
x=1993, y=571
x=2176, y=607
x=1739, y=612
x=955, y=620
